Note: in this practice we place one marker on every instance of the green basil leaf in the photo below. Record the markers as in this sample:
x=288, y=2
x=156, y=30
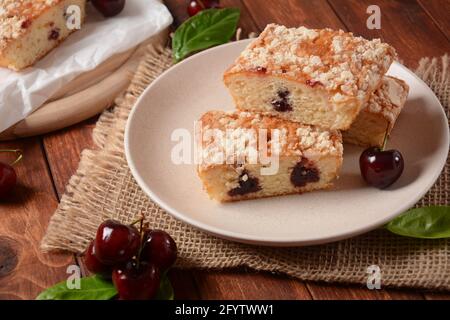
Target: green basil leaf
x=91, y=288
x=165, y=290
x=425, y=223
x=96, y=288
x=206, y=29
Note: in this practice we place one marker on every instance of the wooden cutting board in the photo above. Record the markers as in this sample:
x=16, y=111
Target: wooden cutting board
x=84, y=97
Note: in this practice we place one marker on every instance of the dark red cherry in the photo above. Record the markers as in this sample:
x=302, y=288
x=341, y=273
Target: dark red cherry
x=135, y=282
x=116, y=243
x=211, y=3
x=94, y=265
x=109, y=8
x=8, y=180
x=159, y=248
x=381, y=168
x=195, y=6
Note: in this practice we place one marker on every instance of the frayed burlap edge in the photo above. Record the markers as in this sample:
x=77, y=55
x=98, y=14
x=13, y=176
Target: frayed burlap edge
x=104, y=188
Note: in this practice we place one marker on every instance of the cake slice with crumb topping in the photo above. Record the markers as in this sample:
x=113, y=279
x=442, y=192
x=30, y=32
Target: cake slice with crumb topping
x=248, y=155
x=378, y=117
x=29, y=29
x=317, y=77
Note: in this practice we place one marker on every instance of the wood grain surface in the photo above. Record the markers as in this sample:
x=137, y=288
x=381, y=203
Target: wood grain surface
x=416, y=28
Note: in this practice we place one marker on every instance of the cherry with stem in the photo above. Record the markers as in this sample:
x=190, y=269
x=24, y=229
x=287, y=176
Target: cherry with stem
x=116, y=243
x=8, y=176
x=137, y=279
x=380, y=167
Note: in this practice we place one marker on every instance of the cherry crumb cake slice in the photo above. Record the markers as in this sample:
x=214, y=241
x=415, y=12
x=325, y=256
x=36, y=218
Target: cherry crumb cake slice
x=379, y=115
x=317, y=77
x=29, y=29
x=235, y=149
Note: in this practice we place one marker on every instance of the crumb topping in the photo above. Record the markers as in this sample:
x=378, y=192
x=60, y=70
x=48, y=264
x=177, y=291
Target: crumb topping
x=238, y=134
x=344, y=65
x=16, y=17
x=389, y=99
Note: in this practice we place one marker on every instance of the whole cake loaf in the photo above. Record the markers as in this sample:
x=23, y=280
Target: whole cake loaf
x=303, y=158
x=317, y=77
x=29, y=29
x=378, y=117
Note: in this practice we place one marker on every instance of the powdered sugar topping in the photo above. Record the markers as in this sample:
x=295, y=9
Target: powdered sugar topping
x=345, y=65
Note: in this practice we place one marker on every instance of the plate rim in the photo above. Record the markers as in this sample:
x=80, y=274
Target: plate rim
x=252, y=239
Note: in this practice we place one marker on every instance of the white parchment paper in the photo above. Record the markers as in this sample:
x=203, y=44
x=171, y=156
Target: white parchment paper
x=23, y=92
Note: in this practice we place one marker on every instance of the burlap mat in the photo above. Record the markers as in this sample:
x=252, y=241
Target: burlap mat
x=103, y=187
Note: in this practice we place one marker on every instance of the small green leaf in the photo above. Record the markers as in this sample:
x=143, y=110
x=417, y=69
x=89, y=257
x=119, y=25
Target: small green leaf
x=425, y=223
x=165, y=290
x=91, y=288
x=208, y=28
x=96, y=288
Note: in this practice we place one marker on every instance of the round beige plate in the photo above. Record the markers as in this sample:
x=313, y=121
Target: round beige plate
x=182, y=94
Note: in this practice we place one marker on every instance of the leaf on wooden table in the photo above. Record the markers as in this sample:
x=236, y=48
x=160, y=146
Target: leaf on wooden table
x=91, y=288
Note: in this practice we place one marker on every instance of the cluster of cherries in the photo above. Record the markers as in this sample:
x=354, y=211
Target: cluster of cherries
x=109, y=8
x=195, y=6
x=134, y=259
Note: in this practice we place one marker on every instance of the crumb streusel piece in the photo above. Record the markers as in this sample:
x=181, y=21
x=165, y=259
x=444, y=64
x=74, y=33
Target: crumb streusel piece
x=379, y=114
x=29, y=29
x=235, y=148
x=319, y=77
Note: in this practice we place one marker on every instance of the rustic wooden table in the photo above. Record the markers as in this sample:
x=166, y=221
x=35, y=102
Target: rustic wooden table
x=417, y=28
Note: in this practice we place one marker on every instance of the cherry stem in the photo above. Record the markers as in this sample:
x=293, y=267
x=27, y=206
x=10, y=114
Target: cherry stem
x=16, y=151
x=386, y=135
x=136, y=221
x=141, y=233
